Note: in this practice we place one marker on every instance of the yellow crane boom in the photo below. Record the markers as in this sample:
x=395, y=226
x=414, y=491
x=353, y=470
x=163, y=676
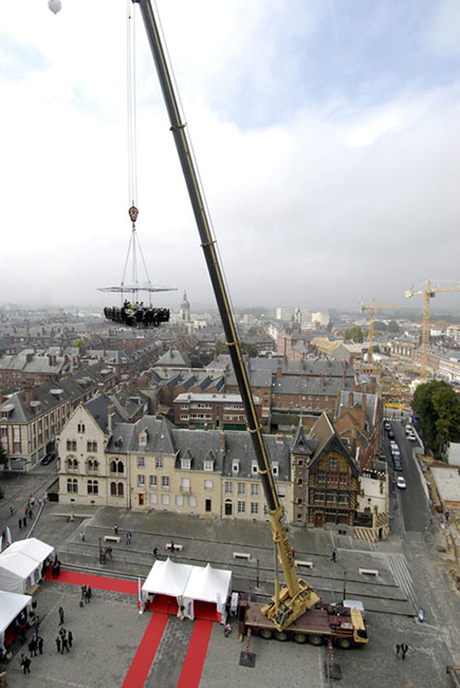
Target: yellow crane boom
x=428, y=293
x=370, y=337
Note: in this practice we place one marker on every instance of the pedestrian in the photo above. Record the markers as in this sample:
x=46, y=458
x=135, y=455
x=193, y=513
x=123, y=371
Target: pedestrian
x=62, y=633
x=172, y=547
x=26, y=511
x=397, y=649
x=155, y=552
x=32, y=647
x=30, y=513
x=334, y=556
x=20, y=523
x=40, y=645
x=24, y=522
x=109, y=552
x=70, y=638
x=65, y=644
x=128, y=538
x=404, y=649
x=25, y=663
x=115, y=529
x=293, y=552
x=61, y=616
x=37, y=623
x=58, y=643
x=89, y=593
x=82, y=536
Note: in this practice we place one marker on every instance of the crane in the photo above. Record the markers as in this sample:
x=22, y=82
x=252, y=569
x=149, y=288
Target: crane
x=428, y=293
x=370, y=337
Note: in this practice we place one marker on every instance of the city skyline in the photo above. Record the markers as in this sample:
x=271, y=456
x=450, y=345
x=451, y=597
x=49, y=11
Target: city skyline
x=326, y=139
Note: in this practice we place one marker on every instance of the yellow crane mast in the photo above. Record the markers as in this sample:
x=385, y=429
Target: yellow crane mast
x=370, y=337
x=428, y=293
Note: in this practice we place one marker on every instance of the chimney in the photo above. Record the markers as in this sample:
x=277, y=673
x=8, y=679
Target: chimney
x=27, y=397
x=110, y=416
x=350, y=399
x=279, y=372
x=344, y=377
x=363, y=402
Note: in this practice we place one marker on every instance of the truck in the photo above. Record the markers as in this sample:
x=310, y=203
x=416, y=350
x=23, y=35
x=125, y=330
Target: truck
x=344, y=626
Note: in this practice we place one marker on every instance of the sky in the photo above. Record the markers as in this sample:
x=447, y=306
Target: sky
x=326, y=132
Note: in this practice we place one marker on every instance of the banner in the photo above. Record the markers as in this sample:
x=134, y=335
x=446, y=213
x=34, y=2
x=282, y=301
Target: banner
x=9, y=539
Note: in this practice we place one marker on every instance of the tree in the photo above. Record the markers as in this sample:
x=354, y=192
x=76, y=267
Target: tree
x=393, y=327
x=438, y=408
x=3, y=455
x=354, y=333
x=246, y=348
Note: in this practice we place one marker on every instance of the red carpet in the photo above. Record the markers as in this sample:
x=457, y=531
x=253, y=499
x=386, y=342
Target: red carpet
x=96, y=582
x=140, y=666
x=196, y=654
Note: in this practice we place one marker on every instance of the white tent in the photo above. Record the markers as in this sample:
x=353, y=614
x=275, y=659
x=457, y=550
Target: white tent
x=209, y=585
x=11, y=605
x=18, y=572
x=35, y=549
x=167, y=578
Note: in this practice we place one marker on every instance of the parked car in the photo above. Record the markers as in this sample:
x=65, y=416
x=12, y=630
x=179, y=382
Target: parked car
x=387, y=425
x=411, y=437
x=391, y=434
x=409, y=428
x=401, y=482
x=398, y=465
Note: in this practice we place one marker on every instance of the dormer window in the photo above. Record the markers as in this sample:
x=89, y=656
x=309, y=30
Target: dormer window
x=80, y=428
x=208, y=465
x=275, y=467
x=185, y=464
x=236, y=466
x=142, y=439
x=254, y=467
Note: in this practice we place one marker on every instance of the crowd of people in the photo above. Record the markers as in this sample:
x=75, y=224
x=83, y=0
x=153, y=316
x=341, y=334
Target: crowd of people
x=137, y=315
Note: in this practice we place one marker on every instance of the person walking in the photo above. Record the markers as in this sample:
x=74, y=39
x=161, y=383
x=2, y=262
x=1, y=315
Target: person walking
x=115, y=529
x=155, y=552
x=25, y=663
x=334, y=556
x=32, y=647
x=404, y=649
x=65, y=644
x=20, y=523
x=58, y=643
x=24, y=521
x=89, y=593
x=82, y=536
x=40, y=645
x=397, y=649
x=61, y=616
x=128, y=537
x=70, y=638
x=83, y=593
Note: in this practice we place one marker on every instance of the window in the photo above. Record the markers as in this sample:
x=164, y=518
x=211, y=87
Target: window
x=71, y=445
x=93, y=466
x=254, y=508
x=254, y=490
x=275, y=468
x=158, y=462
x=254, y=467
x=140, y=462
x=343, y=478
x=142, y=439
x=153, y=498
x=91, y=447
x=321, y=477
x=113, y=489
x=185, y=464
x=185, y=485
x=333, y=477
x=208, y=484
x=165, y=482
x=179, y=500
x=121, y=489
x=343, y=498
x=333, y=462
x=241, y=507
x=207, y=505
x=72, y=464
x=208, y=465
x=320, y=496
x=331, y=497
x=235, y=467
x=165, y=499
x=281, y=490
x=80, y=428
x=141, y=480
x=241, y=488
x=192, y=500
x=93, y=487
x=228, y=487
x=72, y=485
x=153, y=482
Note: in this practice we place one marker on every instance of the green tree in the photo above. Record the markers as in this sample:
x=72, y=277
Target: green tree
x=3, y=455
x=246, y=348
x=393, y=327
x=354, y=333
x=438, y=408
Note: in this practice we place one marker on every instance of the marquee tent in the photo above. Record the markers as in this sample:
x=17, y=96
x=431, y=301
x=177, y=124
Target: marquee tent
x=35, y=549
x=208, y=584
x=11, y=605
x=18, y=572
x=167, y=578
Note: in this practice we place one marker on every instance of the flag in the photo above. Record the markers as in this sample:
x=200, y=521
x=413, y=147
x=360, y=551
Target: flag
x=9, y=539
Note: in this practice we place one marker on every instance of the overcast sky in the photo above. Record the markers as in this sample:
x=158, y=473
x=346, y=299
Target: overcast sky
x=327, y=135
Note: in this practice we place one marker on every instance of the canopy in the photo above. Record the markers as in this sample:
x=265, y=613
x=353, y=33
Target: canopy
x=18, y=572
x=167, y=578
x=35, y=549
x=208, y=584
x=136, y=287
x=11, y=604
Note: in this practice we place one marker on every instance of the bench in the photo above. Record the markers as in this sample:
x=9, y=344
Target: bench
x=241, y=555
x=112, y=538
x=368, y=572
x=177, y=548
x=307, y=564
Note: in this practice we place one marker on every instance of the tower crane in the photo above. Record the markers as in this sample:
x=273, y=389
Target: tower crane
x=428, y=293
x=370, y=337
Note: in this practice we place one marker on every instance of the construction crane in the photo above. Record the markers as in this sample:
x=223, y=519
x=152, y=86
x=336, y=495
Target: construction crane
x=428, y=293
x=370, y=337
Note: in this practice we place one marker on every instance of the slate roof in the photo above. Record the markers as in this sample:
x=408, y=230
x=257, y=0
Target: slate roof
x=328, y=439
x=312, y=385
x=371, y=405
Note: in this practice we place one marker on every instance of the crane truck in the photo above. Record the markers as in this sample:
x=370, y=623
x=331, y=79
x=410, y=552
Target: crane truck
x=291, y=609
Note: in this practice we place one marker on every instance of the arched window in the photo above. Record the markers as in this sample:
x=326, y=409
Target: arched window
x=72, y=464
x=75, y=465
x=72, y=485
x=93, y=466
x=69, y=464
x=113, y=489
x=90, y=466
x=121, y=467
x=120, y=489
x=93, y=487
x=113, y=467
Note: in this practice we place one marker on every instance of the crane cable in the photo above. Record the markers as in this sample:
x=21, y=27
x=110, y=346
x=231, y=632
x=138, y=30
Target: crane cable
x=131, y=107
